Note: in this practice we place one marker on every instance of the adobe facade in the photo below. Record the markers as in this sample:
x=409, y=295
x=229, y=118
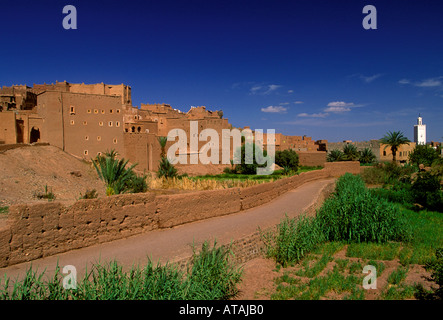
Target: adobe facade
x=86, y=120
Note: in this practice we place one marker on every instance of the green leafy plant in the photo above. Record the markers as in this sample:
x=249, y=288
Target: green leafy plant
x=247, y=160
x=288, y=160
x=166, y=169
x=335, y=155
x=424, y=154
x=350, y=152
x=47, y=194
x=394, y=140
x=114, y=172
x=367, y=156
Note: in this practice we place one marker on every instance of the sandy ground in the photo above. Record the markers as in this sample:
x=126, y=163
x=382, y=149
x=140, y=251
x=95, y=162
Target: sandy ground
x=26, y=171
x=259, y=275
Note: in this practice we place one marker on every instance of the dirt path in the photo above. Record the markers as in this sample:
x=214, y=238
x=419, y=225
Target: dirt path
x=174, y=243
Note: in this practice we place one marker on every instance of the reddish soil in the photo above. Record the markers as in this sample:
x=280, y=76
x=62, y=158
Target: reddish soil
x=259, y=275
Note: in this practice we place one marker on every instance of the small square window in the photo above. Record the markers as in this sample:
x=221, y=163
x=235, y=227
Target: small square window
x=114, y=141
x=110, y=123
x=95, y=111
x=72, y=122
x=86, y=137
x=85, y=152
x=111, y=111
x=117, y=123
x=118, y=110
x=88, y=111
x=99, y=138
x=103, y=111
x=85, y=123
x=72, y=110
x=100, y=123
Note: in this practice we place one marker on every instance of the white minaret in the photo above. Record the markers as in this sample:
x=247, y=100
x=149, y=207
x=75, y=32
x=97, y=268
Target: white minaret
x=420, y=131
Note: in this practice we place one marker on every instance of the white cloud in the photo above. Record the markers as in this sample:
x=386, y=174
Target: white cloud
x=433, y=82
x=369, y=79
x=404, y=81
x=298, y=102
x=340, y=104
x=284, y=103
x=313, y=115
x=290, y=91
x=426, y=83
x=274, y=109
x=337, y=109
x=264, y=89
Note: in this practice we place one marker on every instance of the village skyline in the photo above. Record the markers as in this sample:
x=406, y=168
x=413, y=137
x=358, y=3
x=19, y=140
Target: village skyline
x=302, y=68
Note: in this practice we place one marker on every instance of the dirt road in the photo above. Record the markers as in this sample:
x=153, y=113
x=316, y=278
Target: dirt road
x=174, y=243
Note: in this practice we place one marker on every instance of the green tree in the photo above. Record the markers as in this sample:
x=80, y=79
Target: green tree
x=350, y=152
x=287, y=159
x=367, y=156
x=394, y=140
x=162, y=141
x=247, y=161
x=423, y=154
x=166, y=169
x=114, y=172
x=335, y=155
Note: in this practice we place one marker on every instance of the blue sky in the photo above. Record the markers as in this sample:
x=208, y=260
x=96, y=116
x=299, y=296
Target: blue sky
x=301, y=67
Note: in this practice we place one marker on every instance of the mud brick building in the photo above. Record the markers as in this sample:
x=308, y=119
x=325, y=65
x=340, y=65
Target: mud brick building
x=86, y=120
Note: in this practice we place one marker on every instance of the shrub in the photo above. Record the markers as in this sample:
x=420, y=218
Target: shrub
x=423, y=154
x=350, y=152
x=213, y=274
x=287, y=159
x=137, y=184
x=367, y=156
x=351, y=214
x=47, y=194
x=293, y=239
x=89, y=194
x=354, y=214
x=335, y=155
x=114, y=172
x=248, y=163
x=426, y=191
x=166, y=169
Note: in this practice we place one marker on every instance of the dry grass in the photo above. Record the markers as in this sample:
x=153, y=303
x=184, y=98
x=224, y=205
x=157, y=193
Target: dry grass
x=187, y=183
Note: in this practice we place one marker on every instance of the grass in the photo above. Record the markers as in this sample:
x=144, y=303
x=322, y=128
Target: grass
x=47, y=194
x=211, y=276
x=4, y=211
x=373, y=230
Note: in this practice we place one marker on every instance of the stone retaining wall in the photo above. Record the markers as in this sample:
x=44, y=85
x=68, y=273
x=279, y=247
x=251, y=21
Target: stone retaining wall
x=39, y=230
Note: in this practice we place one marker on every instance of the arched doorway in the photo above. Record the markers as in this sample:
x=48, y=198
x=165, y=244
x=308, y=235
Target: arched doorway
x=35, y=135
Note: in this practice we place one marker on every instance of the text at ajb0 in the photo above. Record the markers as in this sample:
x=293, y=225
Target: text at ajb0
x=229, y=309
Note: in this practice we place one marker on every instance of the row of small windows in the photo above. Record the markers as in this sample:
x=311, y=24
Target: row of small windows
x=100, y=123
x=401, y=154
x=96, y=111
x=99, y=138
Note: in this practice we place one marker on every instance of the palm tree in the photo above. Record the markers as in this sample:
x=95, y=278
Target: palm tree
x=394, y=140
x=335, y=155
x=367, y=156
x=350, y=152
x=162, y=141
x=113, y=172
